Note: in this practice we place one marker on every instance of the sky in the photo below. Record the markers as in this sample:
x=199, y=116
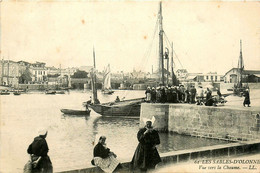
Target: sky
x=205, y=35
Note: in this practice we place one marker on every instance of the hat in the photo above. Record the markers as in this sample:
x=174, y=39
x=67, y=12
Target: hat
x=42, y=132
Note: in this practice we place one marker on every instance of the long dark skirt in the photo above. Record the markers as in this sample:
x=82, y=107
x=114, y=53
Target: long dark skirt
x=246, y=101
x=43, y=166
x=145, y=158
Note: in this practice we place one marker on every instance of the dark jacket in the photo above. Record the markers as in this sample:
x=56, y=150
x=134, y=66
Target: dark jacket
x=39, y=147
x=146, y=155
x=101, y=151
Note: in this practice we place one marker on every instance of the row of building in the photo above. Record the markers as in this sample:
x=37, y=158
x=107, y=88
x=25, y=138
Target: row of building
x=231, y=76
x=11, y=71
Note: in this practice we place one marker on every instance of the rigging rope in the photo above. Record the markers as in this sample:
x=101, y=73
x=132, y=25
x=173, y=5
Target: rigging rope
x=148, y=52
x=173, y=51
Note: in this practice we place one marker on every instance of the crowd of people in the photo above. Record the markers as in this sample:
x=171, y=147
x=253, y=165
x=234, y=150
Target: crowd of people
x=181, y=94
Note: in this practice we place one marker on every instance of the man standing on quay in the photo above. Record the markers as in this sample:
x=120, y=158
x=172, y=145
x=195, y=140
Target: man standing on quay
x=146, y=155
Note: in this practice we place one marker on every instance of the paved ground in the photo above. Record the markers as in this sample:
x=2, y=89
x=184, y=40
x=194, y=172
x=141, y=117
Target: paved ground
x=209, y=167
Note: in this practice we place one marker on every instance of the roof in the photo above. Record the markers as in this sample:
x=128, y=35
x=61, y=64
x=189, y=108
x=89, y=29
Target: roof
x=251, y=72
x=246, y=72
x=182, y=70
x=191, y=77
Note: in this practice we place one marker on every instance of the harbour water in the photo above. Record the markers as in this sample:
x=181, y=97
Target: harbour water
x=70, y=139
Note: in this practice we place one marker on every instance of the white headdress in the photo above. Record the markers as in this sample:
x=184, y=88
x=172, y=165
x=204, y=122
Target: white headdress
x=147, y=119
x=42, y=131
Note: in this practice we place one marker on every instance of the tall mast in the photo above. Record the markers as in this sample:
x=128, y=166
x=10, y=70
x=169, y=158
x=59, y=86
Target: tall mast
x=94, y=90
x=172, y=65
x=240, y=65
x=161, y=60
x=2, y=76
x=167, y=60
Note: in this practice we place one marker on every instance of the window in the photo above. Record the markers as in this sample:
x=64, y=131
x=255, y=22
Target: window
x=207, y=77
x=216, y=78
x=211, y=77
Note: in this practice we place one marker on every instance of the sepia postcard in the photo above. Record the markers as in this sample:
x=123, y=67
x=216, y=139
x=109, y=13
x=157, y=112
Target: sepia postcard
x=81, y=74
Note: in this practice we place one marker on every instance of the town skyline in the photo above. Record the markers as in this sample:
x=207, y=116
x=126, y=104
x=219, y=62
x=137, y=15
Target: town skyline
x=205, y=35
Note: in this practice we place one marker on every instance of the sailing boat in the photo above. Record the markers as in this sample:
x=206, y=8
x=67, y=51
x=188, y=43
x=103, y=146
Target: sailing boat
x=239, y=88
x=127, y=107
x=121, y=108
x=107, y=81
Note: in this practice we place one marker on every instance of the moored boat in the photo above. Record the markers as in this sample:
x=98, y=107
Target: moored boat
x=122, y=108
x=118, y=108
x=52, y=92
x=17, y=93
x=60, y=92
x=4, y=92
x=76, y=112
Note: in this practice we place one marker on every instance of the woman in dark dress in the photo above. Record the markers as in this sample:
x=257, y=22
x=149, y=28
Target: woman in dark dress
x=146, y=155
x=38, y=151
x=247, y=98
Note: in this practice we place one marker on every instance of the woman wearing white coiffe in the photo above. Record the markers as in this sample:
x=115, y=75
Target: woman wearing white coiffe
x=103, y=157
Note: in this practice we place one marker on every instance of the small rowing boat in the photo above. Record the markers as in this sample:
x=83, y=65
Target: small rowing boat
x=75, y=112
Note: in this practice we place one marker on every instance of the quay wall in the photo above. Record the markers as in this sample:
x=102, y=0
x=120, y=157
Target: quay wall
x=228, y=123
x=224, y=151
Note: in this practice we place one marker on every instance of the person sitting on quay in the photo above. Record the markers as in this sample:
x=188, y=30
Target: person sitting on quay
x=148, y=94
x=117, y=99
x=104, y=158
x=39, y=159
x=146, y=155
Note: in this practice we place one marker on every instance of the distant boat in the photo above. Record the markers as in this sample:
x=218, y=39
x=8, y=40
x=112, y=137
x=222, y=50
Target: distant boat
x=60, y=92
x=4, y=92
x=17, y=92
x=107, y=82
x=75, y=112
x=51, y=92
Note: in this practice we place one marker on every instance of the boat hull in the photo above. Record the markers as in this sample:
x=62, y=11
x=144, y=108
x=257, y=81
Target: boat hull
x=124, y=108
x=75, y=112
x=4, y=93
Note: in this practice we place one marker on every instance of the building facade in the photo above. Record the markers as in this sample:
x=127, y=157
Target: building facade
x=233, y=75
x=9, y=73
